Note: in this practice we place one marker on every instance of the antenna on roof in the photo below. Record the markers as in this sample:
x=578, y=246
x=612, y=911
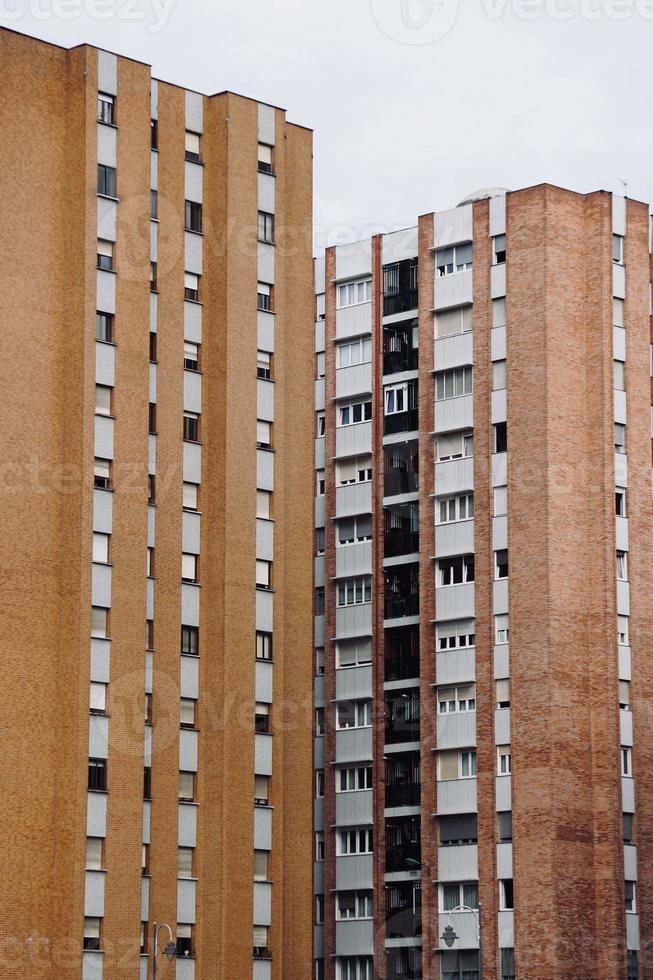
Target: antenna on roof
x=625, y=185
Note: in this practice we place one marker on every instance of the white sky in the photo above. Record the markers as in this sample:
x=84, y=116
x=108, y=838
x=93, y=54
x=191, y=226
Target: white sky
x=406, y=122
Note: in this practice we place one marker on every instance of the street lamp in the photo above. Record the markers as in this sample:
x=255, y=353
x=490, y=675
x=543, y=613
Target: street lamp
x=169, y=949
x=449, y=934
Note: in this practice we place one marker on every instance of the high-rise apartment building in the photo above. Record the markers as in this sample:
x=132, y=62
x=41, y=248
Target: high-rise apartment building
x=484, y=595
x=157, y=466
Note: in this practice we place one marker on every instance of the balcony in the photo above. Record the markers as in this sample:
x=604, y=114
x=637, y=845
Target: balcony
x=400, y=347
x=400, y=287
x=401, y=653
x=402, y=716
x=401, y=468
x=402, y=591
x=401, y=535
x=400, y=422
x=403, y=846
x=402, y=779
x=403, y=910
x=402, y=794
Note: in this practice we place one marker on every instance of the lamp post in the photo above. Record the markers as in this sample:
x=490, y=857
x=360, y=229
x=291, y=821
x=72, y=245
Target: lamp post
x=449, y=934
x=169, y=949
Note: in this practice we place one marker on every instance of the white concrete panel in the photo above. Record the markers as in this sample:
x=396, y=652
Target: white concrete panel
x=619, y=343
x=105, y=364
x=188, y=750
x=354, y=260
x=151, y=455
x=104, y=437
x=498, y=343
x=618, y=214
x=618, y=281
x=190, y=533
x=502, y=726
x=457, y=796
x=264, y=539
x=149, y=598
x=622, y=533
x=262, y=828
x=620, y=407
x=193, y=182
x=498, y=281
x=457, y=730
x=320, y=448
x=193, y=245
x=504, y=861
x=459, y=863
x=399, y=245
x=454, y=226
x=319, y=337
x=102, y=511
x=192, y=462
x=100, y=660
x=265, y=400
x=101, y=585
x=626, y=727
x=189, y=677
x=154, y=170
x=264, y=674
x=319, y=268
x=107, y=69
x=465, y=925
x=190, y=604
x=185, y=900
x=265, y=331
x=454, y=602
x=499, y=533
x=263, y=755
x=264, y=611
x=266, y=193
x=623, y=599
x=264, y=470
x=625, y=664
x=92, y=965
x=262, y=903
x=354, y=745
x=454, y=476
x=354, y=559
x=98, y=737
x=107, y=145
x=501, y=661
x=107, y=217
x=185, y=969
x=503, y=792
x=499, y=469
x=506, y=930
x=353, y=321
x=96, y=814
x=354, y=871
x=621, y=469
x=498, y=215
x=145, y=899
x=194, y=112
x=154, y=241
x=266, y=124
x=106, y=291
x=154, y=311
x=265, y=262
x=147, y=746
x=354, y=440
x=456, y=538
x=500, y=596
x=193, y=392
x=456, y=666
x=628, y=794
x=632, y=930
x=356, y=380
x=187, y=829
x=147, y=821
x=456, y=351
x=94, y=893
x=499, y=405
x=149, y=671
x=152, y=384
x=193, y=322
x=630, y=862
x=453, y=414
x=354, y=621
x=354, y=499
x=354, y=682
x=454, y=290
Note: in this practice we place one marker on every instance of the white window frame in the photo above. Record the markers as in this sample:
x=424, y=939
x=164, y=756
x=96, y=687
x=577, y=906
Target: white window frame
x=355, y=586
x=455, y=509
x=623, y=630
x=626, y=760
x=362, y=899
x=395, y=399
x=464, y=316
x=460, y=699
x=459, y=380
x=354, y=292
x=347, y=410
x=453, y=259
x=498, y=248
x=189, y=500
x=362, y=715
x=466, y=567
x=363, y=650
x=622, y=566
x=361, y=466
x=501, y=629
x=466, y=446
x=462, y=639
x=360, y=837
x=351, y=353
x=101, y=544
x=355, y=779
x=504, y=760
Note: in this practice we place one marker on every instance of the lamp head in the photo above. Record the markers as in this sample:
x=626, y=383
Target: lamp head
x=449, y=935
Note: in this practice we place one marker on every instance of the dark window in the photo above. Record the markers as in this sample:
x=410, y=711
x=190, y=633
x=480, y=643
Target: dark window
x=152, y=419
x=401, y=591
x=458, y=829
x=400, y=347
x=504, y=819
x=154, y=205
x=400, y=287
x=105, y=255
x=264, y=297
x=402, y=779
x=401, y=468
x=192, y=287
x=401, y=653
x=402, y=844
x=402, y=716
x=154, y=134
x=319, y=602
x=459, y=964
x=190, y=640
x=633, y=964
x=191, y=428
x=403, y=909
x=507, y=964
x=628, y=828
x=501, y=437
x=92, y=930
x=262, y=721
x=147, y=783
x=184, y=941
x=149, y=634
x=401, y=529
x=404, y=963
x=266, y=227
x=153, y=347
x=508, y=893
x=106, y=109
x=193, y=216
x=263, y=646
x=106, y=180
x=104, y=327
x=193, y=147
x=97, y=774
x=265, y=152
x=499, y=249
x=151, y=489
x=502, y=563
x=102, y=474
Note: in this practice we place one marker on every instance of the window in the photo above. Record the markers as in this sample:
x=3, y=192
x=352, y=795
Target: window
x=456, y=764
x=187, y=786
x=627, y=828
x=618, y=249
x=263, y=646
x=319, y=846
x=148, y=708
x=504, y=822
x=191, y=427
x=506, y=895
x=319, y=783
x=499, y=375
x=501, y=630
x=144, y=948
x=618, y=310
x=153, y=277
x=321, y=424
x=454, y=700
x=98, y=698
x=499, y=312
x=620, y=503
x=265, y=158
x=263, y=574
x=633, y=964
x=191, y=356
x=152, y=418
x=353, y=653
x=351, y=413
x=626, y=761
x=498, y=250
x=149, y=634
x=189, y=500
x=455, y=635
x=320, y=541
x=508, y=964
x=619, y=438
x=190, y=640
x=502, y=694
x=262, y=718
x=97, y=775
x=456, y=258
x=354, y=714
x=99, y=622
x=261, y=939
x=455, y=571
x=320, y=359
x=354, y=293
x=501, y=563
x=320, y=482
x=619, y=375
x=453, y=383
x=192, y=147
x=103, y=400
x=191, y=287
x=184, y=862
x=266, y=227
x=622, y=566
x=396, y=399
x=320, y=721
x=147, y=782
x=357, y=470
x=354, y=352
x=354, y=529
x=94, y=847
x=263, y=502
x=261, y=790
x=500, y=501
x=460, y=508
x=263, y=365
x=319, y=602
x=261, y=859
x=104, y=327
x=263, y=434
x=461, y=828
x=352, y=780
x=187, y=712
x=154, y=205
x=454, y=445
x=106, y=181
x=152, y=347
x=106, y=109
x=631, y=905
x=319, y=661
x=354, y=968
x=500, y=437
x=188, y=567
x=504, y=760
x=264, y=297
x=622, y=630
x=104, y=255
x=184, y=942
x=354, y=591
x=452, y=322
x=92, y=926
x=354, y=905
x=193, y=217
x=100, y=547
x=355, y=841
x=624, y=695
x=456, y=894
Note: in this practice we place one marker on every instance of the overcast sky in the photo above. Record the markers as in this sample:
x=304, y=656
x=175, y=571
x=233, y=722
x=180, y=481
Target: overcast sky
x=414, y=103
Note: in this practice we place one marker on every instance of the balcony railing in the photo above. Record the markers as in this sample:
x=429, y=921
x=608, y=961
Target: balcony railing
x=400, y=422
x=403, y=857
x=401, y=668
x=401, y=302
x=402, y=794
x=400, y=542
